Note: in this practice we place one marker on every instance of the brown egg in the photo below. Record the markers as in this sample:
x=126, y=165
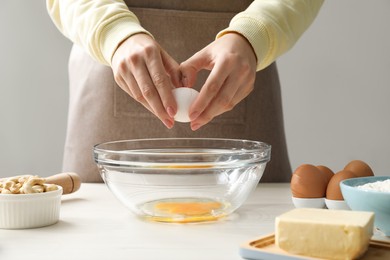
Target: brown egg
x=308, y=182
x=333, y=192
x=359, y=168
x=325, y=170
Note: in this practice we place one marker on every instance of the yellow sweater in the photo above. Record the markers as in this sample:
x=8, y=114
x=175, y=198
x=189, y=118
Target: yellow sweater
x=99, y=26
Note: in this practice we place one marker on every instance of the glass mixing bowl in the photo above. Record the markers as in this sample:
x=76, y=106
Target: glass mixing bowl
x=182, y=179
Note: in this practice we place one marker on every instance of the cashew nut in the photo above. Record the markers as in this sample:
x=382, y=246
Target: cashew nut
x=25, y=184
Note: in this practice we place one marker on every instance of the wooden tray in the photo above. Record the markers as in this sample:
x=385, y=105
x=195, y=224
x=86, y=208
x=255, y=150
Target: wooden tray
x=264, y=248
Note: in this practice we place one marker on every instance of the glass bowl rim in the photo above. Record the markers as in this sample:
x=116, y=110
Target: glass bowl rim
x=261, y=149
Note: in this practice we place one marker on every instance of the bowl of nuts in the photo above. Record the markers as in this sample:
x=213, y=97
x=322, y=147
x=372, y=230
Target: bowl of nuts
x=27, y=201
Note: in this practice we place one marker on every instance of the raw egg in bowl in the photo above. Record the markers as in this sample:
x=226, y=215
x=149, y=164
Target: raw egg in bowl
x=182, y=179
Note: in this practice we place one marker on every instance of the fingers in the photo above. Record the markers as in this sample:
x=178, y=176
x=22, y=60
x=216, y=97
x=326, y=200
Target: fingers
x=140, y=87
x=148, y=74
x=172, y=68
x=145, y=90
x=220, y=104
x=160, y=98
x=225, y=87
x=190, y=68
x=233, y=69
x=131, y=87
x=210, y=90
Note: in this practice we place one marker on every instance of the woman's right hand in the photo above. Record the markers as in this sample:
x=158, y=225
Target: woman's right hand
x=148, y=74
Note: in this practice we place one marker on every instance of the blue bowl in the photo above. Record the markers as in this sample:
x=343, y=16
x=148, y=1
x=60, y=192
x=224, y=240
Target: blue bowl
x=374, y=201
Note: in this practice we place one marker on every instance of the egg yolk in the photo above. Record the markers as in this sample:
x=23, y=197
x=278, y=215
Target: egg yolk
x=188, y=208
x=191, y=210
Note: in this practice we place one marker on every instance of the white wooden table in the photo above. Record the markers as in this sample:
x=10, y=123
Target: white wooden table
x=94, y=225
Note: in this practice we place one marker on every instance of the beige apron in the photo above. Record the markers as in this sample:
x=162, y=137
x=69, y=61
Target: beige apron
x=100, y=111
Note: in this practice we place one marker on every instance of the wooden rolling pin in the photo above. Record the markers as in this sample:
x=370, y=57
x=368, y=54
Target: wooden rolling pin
x=69, y=181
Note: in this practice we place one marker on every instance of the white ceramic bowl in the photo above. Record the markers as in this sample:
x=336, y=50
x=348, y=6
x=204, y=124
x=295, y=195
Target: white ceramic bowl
x=309, y=202
x=336, y=204
x=18, y=211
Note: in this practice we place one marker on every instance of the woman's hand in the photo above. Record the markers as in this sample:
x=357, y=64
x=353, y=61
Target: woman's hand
x=232, y=63
x=148, y=74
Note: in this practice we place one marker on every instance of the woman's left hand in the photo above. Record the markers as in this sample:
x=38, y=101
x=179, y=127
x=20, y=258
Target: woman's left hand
x=232, y=63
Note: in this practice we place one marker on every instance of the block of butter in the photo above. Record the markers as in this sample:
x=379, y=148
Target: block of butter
x=323, y=233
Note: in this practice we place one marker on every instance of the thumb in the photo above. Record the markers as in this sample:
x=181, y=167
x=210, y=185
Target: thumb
x=172, y=68
x=190, y=68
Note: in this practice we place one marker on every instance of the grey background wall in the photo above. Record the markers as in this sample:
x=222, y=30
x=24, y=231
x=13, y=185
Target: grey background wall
x=335, y=86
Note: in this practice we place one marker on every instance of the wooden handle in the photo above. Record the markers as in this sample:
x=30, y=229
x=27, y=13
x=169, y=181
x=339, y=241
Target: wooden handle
x=69, y=181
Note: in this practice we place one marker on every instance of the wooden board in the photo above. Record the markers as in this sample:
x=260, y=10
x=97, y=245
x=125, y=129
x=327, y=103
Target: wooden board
x=264, y=248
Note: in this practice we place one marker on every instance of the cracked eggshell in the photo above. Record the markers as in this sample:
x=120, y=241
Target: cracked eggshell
x=184, y=98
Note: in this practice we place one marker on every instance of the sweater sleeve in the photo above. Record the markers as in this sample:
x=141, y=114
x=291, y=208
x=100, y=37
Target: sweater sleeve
x=272, y=27
x=98, y=26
